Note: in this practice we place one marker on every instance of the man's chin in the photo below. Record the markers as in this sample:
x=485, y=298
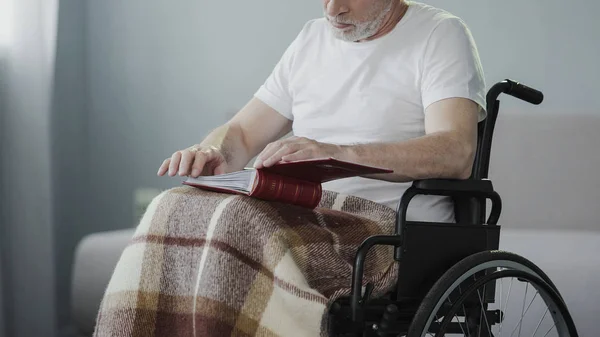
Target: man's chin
x=346, y=35
x=349, y=33
x=342, y=36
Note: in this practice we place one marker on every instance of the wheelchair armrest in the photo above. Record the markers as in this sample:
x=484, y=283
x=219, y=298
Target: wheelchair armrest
x=453, y=187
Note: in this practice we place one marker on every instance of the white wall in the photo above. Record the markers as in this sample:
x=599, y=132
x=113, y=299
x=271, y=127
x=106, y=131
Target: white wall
x=162, y=74
x=551, y=44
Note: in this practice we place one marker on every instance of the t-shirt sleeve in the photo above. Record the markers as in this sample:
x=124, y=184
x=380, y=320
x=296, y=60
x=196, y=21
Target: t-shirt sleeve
x=452, y=67
x=275, y=92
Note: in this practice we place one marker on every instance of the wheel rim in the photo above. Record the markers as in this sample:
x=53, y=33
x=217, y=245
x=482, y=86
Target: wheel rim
x=493, y=266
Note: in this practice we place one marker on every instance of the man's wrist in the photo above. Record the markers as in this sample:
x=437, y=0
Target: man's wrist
x=349, y=153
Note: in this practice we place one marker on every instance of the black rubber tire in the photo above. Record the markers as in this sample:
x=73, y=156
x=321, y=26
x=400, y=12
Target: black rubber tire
x=436, y=292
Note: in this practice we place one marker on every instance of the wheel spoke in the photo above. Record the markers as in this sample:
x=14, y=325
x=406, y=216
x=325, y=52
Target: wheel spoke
x=480, y=314
x=460, y=324
x=530, y=303
x=501, y=295
x=550, y=329
x=484, y=314
x=458, y=319
x=506, y=304
x=540, y=323
x=523, y=310
x=465, y=313
x=437, y=320
x=525, y=313
x=519, y=325
x=466, y=322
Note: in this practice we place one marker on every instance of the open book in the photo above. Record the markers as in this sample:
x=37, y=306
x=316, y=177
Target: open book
x=297, y=182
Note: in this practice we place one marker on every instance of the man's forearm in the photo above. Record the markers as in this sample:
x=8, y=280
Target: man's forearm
x=438, y=155
x=229, y=140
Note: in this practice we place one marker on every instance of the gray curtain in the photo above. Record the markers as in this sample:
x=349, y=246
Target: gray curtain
x=2, y=324
x=27, y=56
x=2, y=220
x=3, y=232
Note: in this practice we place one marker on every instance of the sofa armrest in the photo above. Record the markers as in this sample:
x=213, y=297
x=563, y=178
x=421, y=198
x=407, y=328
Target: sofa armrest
x=95, y=259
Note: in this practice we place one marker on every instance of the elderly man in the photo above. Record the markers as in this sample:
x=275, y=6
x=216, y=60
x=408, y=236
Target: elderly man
x=389, y=83
x=381, y=82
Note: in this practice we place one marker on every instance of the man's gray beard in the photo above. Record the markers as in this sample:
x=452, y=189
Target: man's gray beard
x=363, y=30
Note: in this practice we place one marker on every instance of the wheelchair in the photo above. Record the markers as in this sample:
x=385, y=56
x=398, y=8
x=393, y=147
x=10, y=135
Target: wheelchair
x=453, y=280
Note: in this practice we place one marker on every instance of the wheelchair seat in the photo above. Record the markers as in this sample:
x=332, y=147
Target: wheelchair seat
x=452, y=279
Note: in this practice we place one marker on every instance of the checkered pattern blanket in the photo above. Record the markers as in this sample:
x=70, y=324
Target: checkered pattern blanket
x=210, y=264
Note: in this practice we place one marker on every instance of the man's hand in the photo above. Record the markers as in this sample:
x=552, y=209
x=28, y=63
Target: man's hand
x=195, y=161
x=296, y=148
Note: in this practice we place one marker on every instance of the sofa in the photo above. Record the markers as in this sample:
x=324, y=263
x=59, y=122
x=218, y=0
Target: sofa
x=95, y=258
x=544, y=167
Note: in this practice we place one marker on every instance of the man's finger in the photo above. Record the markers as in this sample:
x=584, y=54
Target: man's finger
x=284, y=150
x=267, y=152
x=164, y=167
x=187, y=158
x=199, y=162
x=174, y=164
x=298, y=155
x=272, y=148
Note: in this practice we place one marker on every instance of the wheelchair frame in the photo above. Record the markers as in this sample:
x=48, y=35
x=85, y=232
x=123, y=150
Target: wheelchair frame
x=420, y=267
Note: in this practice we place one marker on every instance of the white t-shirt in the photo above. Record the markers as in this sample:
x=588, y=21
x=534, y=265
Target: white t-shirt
x=377, y=91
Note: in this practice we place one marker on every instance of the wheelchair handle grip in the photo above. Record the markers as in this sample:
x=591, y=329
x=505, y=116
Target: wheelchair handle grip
x=521, y=91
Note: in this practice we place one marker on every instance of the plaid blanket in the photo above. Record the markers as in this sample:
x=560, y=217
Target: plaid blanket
x=210, y=264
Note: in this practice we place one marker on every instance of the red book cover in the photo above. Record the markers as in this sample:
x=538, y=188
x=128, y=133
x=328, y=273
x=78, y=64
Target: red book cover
x=275, y=187
x=297, y=182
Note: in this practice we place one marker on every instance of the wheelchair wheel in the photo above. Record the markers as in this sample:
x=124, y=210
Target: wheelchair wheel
x=495, y=294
